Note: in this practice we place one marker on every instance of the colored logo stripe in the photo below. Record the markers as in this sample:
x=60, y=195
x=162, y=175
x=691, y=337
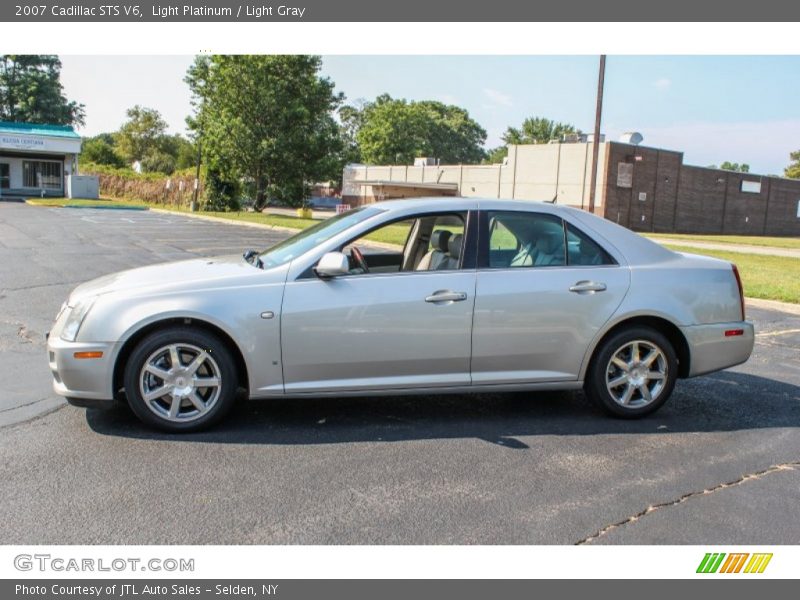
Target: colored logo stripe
x=710, y=562
x=758, y=563
x=733, y=564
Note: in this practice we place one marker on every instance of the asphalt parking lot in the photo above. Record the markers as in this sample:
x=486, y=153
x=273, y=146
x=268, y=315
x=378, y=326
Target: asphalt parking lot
x=719, y=464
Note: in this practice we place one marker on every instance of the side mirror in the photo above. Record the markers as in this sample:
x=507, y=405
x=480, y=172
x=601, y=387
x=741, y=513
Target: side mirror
x=332, y=264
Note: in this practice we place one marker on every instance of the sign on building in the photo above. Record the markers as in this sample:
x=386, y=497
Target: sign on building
x=625, y=175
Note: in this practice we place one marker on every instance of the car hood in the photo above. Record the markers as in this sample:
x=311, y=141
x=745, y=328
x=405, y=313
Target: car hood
x=198, y=273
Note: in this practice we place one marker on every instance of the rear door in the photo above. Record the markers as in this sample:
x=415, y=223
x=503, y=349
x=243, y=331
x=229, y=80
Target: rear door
x=543, y=292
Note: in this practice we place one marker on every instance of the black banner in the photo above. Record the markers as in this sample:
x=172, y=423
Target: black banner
x=403, y=589
x=405, y=11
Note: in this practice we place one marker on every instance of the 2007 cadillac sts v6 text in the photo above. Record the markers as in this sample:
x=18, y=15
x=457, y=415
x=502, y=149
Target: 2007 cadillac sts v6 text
x=413, y=296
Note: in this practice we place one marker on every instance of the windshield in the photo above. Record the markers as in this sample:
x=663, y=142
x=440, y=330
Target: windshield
x=307, y=239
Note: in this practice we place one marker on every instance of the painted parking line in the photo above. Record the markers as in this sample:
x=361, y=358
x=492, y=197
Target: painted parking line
x=775, y=333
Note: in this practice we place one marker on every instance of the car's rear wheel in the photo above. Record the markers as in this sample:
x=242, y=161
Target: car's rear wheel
x=180, y=379
x=632, y=373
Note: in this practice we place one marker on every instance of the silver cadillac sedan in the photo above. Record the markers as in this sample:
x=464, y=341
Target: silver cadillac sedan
x=419, y=296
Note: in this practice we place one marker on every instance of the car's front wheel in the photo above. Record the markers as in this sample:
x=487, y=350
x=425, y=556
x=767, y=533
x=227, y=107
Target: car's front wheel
x=633, y=373
x=180, y=379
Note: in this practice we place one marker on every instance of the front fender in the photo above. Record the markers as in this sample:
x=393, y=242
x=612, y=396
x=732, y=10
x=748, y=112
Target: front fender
x=235, y=311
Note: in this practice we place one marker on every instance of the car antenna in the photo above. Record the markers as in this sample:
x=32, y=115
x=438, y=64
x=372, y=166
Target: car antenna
x=553, y=201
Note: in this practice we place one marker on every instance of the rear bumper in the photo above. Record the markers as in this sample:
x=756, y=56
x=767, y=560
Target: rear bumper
x=711, y=350
x=81, y=380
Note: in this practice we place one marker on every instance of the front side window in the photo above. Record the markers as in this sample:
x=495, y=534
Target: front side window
x=419, y=243
x=41, y=174
x=312, y=237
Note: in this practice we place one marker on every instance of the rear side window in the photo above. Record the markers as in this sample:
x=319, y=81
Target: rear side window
x=583, y=251
x=529, y=239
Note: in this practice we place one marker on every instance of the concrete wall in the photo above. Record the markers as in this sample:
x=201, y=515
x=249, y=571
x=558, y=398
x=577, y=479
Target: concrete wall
x=642, y=188
x=535, y=172
x=561, y=171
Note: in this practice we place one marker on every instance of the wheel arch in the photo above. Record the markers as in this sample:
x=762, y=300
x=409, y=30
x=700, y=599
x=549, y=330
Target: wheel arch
x=147, y=328
x=663, y=325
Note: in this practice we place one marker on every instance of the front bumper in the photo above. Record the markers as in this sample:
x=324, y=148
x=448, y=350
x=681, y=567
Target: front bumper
x=711, y=350
x=88, y=379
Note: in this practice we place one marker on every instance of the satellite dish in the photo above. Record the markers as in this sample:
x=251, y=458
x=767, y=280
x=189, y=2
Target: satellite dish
x=631, y=137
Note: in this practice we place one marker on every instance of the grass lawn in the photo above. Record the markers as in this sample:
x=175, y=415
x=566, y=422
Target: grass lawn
x=88, y=203
x=768, y=277
x=747, y=240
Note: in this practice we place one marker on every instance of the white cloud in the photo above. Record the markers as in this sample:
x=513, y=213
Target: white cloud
x=764, y=145
x=498, y=97
x=446, y=98
x=662, y=83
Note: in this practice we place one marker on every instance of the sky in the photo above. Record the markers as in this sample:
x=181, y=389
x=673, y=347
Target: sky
x=741, y=109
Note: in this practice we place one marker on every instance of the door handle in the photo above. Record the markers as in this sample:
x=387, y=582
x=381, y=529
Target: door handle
x=582, y=287
x=446, y=296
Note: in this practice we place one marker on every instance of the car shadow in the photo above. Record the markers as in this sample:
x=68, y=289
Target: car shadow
x=726, y=401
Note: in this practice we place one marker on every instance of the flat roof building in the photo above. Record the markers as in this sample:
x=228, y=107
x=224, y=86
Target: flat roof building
x=37, y=159
x=642, y=188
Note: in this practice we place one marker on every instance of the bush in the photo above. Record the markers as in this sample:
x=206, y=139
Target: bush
x=221, y=194
x=158, y=162
x=127, y=184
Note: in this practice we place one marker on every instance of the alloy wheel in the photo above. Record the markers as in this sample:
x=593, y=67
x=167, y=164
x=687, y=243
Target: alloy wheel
x=636, y=375
x=180, y=382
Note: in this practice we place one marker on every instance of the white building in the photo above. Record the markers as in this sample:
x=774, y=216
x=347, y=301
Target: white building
x=37, y=159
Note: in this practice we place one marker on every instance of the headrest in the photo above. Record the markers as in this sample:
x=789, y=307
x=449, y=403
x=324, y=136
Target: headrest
x=454, y=247
x=440, y=239
x=548, y=243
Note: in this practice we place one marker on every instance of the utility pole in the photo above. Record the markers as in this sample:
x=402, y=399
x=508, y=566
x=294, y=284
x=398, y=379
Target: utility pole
x=596, y=141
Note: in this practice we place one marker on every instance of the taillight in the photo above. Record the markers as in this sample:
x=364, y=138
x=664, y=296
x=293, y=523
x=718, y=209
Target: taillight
x=741, y=289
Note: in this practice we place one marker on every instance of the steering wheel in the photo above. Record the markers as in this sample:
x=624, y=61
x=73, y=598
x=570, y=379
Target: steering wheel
x=358, y=258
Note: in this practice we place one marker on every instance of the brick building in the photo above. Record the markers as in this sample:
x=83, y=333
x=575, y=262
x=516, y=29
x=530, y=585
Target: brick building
x=643, y=188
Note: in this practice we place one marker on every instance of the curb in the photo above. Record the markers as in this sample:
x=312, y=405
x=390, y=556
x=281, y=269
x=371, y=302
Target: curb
x=99, y=207
x=786, y=307
x=121, y=207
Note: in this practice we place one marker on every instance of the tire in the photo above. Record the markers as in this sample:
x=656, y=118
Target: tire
x=621, y=382
x=184, y=405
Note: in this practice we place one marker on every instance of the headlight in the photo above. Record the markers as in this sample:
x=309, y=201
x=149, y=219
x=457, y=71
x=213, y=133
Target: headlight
x=76, y=316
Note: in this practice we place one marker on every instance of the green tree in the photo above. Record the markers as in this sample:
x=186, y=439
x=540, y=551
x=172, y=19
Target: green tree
x=395, y=131
x=496, y=155
x=268, y=120
x=142, y=134
x=31, y=91
x=534, y=130
x=793, y=170
x=350, y=119
x=537, y=130
x=100, y=150
x=739, y=168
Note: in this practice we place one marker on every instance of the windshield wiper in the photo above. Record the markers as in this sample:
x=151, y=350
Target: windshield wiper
x=253, y=258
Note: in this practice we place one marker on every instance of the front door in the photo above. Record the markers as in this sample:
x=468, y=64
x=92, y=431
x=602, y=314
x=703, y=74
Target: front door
x=377, y=331
x=403, y=322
